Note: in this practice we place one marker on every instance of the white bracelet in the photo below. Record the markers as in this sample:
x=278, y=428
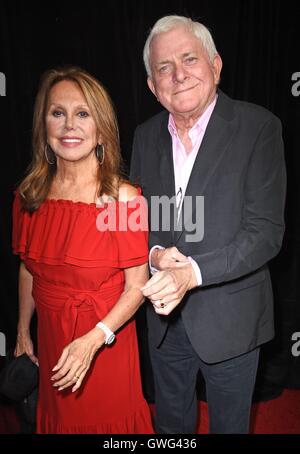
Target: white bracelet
x=109, y=335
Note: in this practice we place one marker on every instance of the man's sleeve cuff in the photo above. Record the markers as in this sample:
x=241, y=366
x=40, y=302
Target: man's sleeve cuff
x=196, y=270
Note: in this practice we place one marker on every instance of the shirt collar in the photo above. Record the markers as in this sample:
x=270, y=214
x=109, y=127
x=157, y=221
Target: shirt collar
x=200, y=124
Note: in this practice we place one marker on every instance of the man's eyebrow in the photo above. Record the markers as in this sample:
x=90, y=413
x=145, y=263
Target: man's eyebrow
x=162, y=62
x=185, y=54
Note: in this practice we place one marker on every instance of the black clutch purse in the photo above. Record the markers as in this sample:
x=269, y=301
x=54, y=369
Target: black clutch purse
x=19, y=378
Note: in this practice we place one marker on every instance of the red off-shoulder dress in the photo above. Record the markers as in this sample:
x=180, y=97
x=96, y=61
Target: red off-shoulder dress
x=78, y=276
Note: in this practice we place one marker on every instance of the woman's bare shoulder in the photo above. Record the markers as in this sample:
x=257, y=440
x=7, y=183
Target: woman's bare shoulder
x=127, y=192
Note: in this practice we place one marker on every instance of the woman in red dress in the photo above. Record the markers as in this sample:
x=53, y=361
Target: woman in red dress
x=80, y=231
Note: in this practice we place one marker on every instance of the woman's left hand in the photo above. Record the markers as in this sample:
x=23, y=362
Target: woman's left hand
x=76, y=359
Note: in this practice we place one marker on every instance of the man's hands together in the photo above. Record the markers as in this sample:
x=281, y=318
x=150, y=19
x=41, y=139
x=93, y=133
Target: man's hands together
x=175, y=277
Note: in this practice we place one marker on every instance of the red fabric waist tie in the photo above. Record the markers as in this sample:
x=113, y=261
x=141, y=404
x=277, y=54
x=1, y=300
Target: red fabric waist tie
x=71, y=301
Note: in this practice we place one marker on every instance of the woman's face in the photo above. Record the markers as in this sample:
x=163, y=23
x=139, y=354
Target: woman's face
x=70, y=127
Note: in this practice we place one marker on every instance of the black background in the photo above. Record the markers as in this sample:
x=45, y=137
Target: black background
x=260, y=47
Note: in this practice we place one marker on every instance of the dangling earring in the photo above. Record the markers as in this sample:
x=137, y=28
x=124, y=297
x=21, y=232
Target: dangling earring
x=46, y=149
x=100, y=151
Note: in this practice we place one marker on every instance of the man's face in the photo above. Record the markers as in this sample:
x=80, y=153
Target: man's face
x=183, y=78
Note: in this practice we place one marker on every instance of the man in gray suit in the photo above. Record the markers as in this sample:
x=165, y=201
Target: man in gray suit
x=211, y=293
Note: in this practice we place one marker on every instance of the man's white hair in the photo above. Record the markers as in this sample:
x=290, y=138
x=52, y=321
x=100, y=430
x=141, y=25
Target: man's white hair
x=167, y=23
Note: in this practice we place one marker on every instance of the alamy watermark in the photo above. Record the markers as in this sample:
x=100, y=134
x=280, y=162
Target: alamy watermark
x=2, y=344
x=164, y=216
x=296, y=345
x=296, y=86
x=2, y=84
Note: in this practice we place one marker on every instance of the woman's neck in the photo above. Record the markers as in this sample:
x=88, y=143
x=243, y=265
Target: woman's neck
x=77, y=181
x=76, y=173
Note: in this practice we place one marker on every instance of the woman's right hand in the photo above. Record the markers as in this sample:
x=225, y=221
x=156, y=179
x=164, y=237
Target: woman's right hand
x=24, y=345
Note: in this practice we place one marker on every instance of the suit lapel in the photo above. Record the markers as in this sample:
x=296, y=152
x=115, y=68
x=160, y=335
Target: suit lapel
x=166, y=166
x=215, y=142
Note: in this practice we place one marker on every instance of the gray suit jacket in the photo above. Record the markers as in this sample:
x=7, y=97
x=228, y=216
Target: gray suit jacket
x=240, y=171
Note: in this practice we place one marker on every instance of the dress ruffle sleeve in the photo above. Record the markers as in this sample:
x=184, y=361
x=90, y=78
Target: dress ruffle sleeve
x=62, y=231
x=132, y=234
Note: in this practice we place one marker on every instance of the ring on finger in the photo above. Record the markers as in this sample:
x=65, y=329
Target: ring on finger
x=158, y=303
x=161, y=303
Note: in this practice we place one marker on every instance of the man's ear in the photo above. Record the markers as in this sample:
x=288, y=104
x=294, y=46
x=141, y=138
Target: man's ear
x=151, y=86
x=217, y=67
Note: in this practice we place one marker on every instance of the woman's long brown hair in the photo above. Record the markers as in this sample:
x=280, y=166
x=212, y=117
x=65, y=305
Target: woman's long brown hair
x=36, y=185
